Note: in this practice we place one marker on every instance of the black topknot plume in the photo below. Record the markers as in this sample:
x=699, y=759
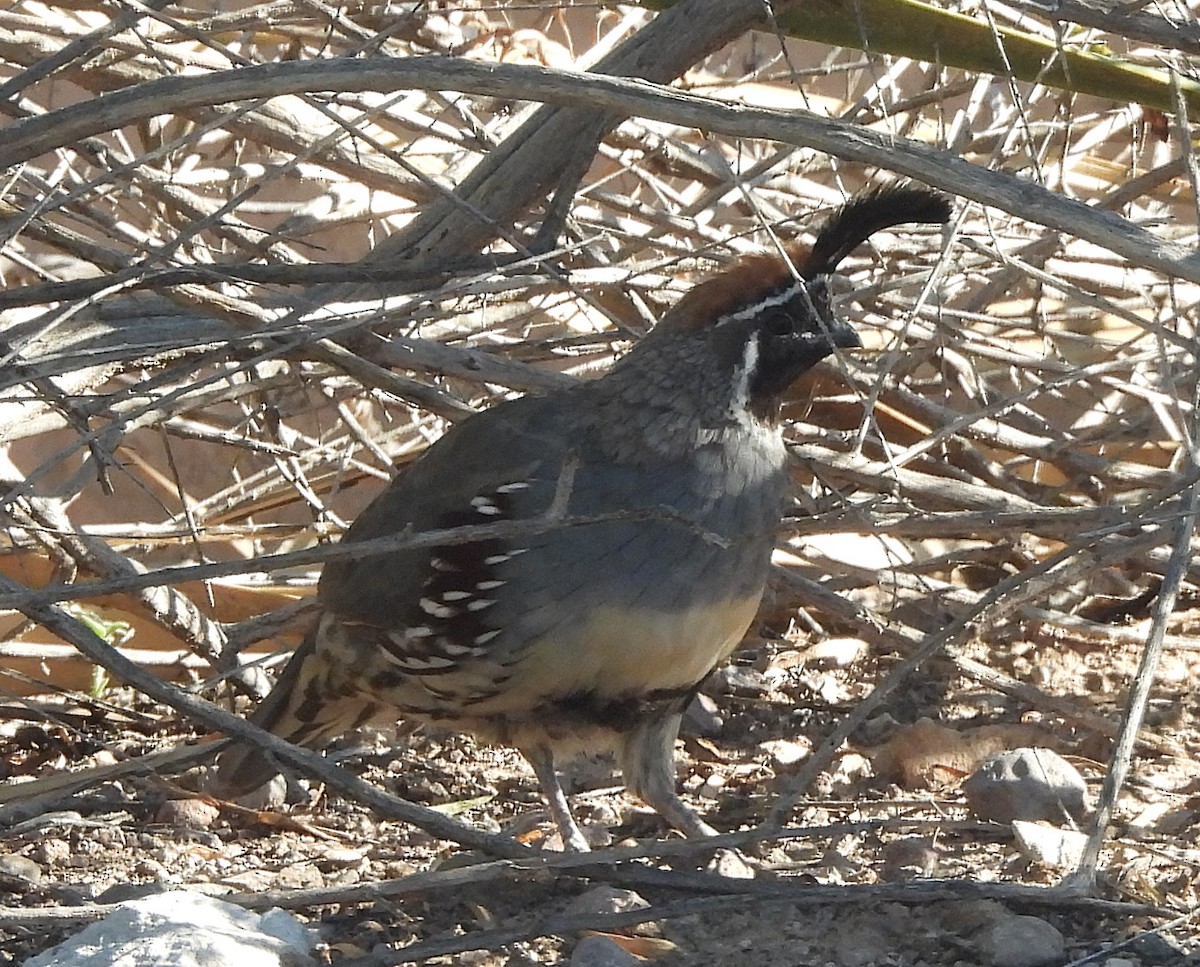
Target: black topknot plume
x=870, y=212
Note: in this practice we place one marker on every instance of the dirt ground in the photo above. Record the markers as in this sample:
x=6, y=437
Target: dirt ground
x=857, y=827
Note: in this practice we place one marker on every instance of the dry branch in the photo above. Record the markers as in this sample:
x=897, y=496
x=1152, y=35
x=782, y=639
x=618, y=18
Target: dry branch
x=172, y=251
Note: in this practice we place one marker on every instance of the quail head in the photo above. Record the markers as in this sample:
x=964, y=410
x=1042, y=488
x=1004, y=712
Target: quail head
x=593, y=634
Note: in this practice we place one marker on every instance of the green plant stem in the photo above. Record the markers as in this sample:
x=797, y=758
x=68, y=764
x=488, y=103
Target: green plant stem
x=908, y=28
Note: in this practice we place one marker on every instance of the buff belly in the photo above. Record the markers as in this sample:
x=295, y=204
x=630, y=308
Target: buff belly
x=580, y=689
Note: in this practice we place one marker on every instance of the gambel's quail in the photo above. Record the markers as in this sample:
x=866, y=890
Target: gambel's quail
x=594, y=633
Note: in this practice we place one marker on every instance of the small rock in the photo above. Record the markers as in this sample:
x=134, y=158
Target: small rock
x=1049, y=846
x=1013, y=941
x=909, y=858
x=343, y=856
x=702, y=717
x=187, y=813
x=1029, y=784
x=738, y=679
x=17, y=867
x=785, y=752
x=124, y=892
x=1119, y=962
x=52, y=852
x=606, y=899
x=597, y=813
x=1172, y=669
x=712, y=786
x=827, y=686
x=1150, y=818
x=839, y=652
x=250, y=881
x=147, y=866
x=729, y=862
x=1154, y=948
x=110, y=837
x=270, y=795
x=299, y=876
x=598, y=951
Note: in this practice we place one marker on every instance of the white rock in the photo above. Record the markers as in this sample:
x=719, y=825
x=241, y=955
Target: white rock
x=729, y=862
x=785, y=752
x=185, y=929
x=712, y=787
x=1060, y=849
x=838, y=651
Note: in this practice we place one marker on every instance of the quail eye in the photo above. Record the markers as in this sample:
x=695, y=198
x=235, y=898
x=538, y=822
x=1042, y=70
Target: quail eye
x=778, y=324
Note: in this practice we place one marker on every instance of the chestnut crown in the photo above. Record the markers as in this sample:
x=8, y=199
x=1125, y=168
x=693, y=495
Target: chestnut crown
x=731, y=347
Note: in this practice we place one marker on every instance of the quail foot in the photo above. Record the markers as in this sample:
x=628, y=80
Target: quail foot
x=593, y=635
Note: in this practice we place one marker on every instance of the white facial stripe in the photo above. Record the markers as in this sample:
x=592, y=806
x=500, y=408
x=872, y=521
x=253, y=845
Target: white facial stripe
x=770, y=302
x=741, y=390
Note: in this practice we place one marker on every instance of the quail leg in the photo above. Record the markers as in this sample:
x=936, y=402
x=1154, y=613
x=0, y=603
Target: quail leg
x=543, y=767
x=648, y=763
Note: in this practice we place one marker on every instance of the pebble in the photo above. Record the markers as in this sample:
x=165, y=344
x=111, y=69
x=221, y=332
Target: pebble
x=52, y=852
x=909, y=858
x=838, y=652
x=270, y=795
x=149, y=867
x=1049, y=846
x=1029, y=784
x=19, y=867
x=1014, y=941
x=299, y=876
x=787, y=752
x=187, y=813
x=702, y=717
x=250, y=881
x=606, y=899
x=343, y=856
x=739, y=679
x=712, y=787
x=731, y=863
x=598, y=951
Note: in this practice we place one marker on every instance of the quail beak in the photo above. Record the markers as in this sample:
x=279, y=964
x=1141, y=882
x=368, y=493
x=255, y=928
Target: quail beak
x=843, y=337
x=872, y=343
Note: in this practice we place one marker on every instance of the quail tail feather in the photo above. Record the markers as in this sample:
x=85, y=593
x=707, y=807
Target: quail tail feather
x=308, y=707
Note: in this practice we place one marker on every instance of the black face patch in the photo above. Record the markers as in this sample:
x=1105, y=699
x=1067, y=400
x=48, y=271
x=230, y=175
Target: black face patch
x=792, y=338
